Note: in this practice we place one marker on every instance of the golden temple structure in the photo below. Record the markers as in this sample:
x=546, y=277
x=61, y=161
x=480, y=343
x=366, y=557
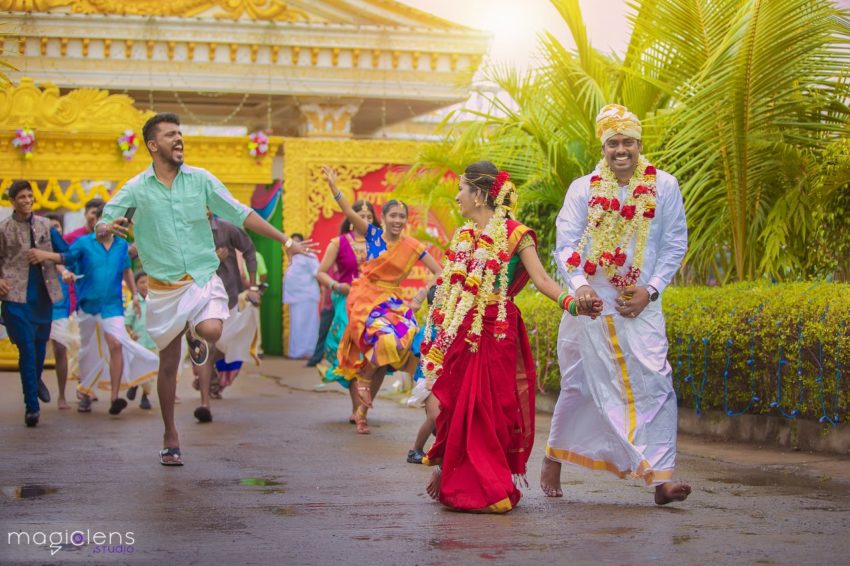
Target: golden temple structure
x=336, y=82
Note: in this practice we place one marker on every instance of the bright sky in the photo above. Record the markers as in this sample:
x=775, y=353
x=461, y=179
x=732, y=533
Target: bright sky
x=516, y=23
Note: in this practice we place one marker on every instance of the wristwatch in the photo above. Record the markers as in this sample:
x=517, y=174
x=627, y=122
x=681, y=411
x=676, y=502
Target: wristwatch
x=653, y=293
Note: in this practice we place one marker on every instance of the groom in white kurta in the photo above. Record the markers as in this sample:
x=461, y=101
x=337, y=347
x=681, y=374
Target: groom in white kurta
x=617, y=407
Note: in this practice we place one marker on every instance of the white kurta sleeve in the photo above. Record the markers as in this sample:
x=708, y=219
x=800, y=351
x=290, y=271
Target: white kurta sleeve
x=674, y=233
x=570, y=226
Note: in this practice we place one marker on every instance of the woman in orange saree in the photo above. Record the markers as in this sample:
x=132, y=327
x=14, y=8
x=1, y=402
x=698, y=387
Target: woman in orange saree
x=381, y=326
x=480, y=362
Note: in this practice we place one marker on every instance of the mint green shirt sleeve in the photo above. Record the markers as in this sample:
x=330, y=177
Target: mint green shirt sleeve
x=222, y=203
x=119, y=203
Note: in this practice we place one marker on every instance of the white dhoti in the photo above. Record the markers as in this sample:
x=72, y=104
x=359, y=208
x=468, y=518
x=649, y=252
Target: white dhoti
x=617, y=407
x=301, y=293
x=172, y=305
x=140, y=364
x=66, y=331
x=240, y=334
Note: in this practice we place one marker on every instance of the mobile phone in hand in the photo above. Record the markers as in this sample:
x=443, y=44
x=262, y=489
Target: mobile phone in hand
x=129, y=214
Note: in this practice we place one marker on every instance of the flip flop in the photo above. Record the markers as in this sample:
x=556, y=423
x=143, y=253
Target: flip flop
x=170, y=457
x=117, y=406
x=203, y=414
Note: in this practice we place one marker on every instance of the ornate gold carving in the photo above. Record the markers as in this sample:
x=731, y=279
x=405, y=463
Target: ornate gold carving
x=376, y=58
x=395, y=55
x=170, y=49
x=63, y=46
x=44, y=41
x=86, y=42
x=296, y=52
x=335, y=56
x=314, y=56
x=128, y=48
x=22, y=45
x=355, y=58
x=435, y=57
x=107, y=48
x=233, y=51
x=211, y=51
x=254, y=49
x=305, y=194
x=85, y=110
x=328, y=120
x=275, y=10
x=414, y=60
x=190, y=51
x=149, y=45
x=275, y=53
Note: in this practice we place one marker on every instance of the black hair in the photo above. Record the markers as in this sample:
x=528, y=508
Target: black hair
x=358, y=205
x=99, y=212
x=57, y=217
x=17, y=187
x=432, y=294
x=138, y=275
x=152, y=125
x=481, y=175
x=389, y=205
x=297, y=236
x=96, y=202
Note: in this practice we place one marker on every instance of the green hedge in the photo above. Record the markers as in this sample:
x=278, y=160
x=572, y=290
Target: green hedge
x=726, y=344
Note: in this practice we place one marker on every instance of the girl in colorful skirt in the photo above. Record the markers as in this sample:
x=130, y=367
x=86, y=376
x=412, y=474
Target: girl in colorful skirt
x=345, y=254
x=381, y=325
x=480, y=361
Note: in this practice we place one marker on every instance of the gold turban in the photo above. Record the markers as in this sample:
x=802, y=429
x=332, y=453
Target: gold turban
x=615, y=119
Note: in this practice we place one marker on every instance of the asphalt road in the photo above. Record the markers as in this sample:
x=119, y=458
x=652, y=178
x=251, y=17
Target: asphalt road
x=280, y=477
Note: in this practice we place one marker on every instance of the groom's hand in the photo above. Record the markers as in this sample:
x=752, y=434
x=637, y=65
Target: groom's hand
x=588, y=300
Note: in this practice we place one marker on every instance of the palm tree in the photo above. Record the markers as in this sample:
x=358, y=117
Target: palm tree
x=739, y=99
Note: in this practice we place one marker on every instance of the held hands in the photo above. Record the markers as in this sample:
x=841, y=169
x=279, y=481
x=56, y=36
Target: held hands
x=68, y=276
x=632, y=301
x=35, y=256
x=588, y=302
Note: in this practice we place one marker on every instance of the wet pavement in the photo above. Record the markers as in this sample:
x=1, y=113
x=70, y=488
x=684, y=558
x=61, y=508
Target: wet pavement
x=280, y=477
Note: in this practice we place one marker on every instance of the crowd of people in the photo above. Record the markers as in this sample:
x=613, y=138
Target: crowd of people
x=621, y=237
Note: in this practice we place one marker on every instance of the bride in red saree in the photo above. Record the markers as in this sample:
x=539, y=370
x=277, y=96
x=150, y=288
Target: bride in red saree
x=479, y=363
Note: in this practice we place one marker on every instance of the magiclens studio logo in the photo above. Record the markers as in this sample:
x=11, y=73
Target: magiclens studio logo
x=101, y=542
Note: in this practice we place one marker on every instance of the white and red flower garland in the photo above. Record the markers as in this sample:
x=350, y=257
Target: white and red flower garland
x=258, y=145
x=128, y=144
x=24, y=140
x=612, y=225
x=473, y=265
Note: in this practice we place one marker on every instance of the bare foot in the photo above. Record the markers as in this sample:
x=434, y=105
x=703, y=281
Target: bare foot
x=670, y=492
x=63, y=405
x=550, y=478
x=433, y=487
x=362, y=424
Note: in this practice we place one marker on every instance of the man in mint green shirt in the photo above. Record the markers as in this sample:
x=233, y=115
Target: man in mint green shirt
x=170, y=201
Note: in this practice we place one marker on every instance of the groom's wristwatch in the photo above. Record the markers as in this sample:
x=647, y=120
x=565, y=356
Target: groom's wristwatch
x=653, y=293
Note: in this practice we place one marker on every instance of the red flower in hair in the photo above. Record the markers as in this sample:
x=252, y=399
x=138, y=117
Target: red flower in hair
x=589, y=267
x=575, y=259
x=628, y=212
x=498, y=182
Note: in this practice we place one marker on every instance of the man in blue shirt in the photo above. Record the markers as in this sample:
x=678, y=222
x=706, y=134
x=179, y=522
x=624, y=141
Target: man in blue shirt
x=102, y=262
